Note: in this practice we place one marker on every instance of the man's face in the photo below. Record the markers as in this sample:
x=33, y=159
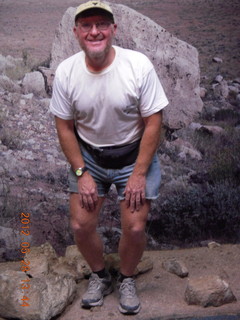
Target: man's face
x=95, y=35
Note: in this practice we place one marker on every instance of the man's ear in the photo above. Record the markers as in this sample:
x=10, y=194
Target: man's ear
x=75, y=32
x=114, y=29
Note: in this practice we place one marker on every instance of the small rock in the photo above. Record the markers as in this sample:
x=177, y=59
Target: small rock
x=33, y=82
x=221, y=89
x=217, y=60
x=213, y=245
x=112, y=261
x=233, y=91
x=203, y=92
x=176, y=267
x=192, y=153
x=237, y=80
x=113, y=264
x=208, y=291
x=195, y=126
x=28, y=96
x=218, y=78
x=144, y=266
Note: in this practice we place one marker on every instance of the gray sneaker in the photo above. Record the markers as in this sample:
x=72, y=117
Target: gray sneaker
x=97, y=289
x=129, y=302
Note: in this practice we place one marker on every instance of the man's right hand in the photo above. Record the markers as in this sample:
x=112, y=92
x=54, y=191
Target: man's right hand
x=88, y=193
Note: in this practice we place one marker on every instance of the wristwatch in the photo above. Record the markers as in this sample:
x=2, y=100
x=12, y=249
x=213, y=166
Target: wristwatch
x=80, y=171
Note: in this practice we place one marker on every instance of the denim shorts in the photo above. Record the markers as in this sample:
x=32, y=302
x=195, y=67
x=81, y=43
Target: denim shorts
x=104, y=178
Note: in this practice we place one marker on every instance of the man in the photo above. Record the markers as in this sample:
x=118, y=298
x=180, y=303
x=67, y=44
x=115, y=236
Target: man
x=107, y=103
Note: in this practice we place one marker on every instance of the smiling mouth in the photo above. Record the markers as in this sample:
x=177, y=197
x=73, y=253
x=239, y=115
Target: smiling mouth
x=98, y=40
x=95, y=42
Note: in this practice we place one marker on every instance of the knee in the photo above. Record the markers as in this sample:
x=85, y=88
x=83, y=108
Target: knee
x=135, y=232
x=81, y=228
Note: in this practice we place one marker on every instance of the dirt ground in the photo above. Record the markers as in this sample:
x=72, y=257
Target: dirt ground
x=28, y=27
x=162, y=293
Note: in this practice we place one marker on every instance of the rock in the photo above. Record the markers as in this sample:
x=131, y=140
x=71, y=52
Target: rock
x=213, y=245
x=195, y=126
x=176, y=267
x=233, y=91
x=208, y=291
x=203, y=92
x=217, y=60
x=185, y=149
x=218, y=79
x=48, y=75
x=145, y=265
x=13, y=68
x=9, y=85
x=113, y=264
x=191, y=152
x=236, y=80
x=63, y=267
x=10, y=265
x=211, y=130
x=83, y=269
x=40, y=259
x=47, y=296
x=72, y=264
x=221, y=89
x=72, y=253
x=175, y=61
x=33, y=82
x=10, y=240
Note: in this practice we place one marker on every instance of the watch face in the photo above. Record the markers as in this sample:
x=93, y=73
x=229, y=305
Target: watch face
x=79, y=172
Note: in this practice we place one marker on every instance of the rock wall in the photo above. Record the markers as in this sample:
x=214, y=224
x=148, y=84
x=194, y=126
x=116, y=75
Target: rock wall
x=176, y=62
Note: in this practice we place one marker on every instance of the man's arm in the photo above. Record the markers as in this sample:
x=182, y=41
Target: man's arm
x=87, y=188
x=135, y=188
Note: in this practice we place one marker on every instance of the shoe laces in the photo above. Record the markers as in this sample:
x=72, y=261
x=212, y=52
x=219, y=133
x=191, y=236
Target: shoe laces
x=94, y=283
x=128, y=288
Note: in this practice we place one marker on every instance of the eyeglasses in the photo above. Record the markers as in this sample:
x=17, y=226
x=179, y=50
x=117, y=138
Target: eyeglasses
x=86, y=27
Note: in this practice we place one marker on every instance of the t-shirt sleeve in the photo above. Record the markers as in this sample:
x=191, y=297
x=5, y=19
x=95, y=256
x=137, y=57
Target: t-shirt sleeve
x=60, y=104
x=152, y=95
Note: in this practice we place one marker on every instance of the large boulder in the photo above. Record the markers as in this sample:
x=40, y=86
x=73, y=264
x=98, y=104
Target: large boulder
x=176, y=62
x=208, y=291
x=27, y=298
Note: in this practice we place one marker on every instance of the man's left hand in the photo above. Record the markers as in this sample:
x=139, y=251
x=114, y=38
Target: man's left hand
x=135, y=191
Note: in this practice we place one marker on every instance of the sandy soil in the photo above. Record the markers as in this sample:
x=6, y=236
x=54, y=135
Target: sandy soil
x=27, y=28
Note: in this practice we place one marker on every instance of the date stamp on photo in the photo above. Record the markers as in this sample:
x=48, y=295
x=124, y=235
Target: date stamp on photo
x=25, y=264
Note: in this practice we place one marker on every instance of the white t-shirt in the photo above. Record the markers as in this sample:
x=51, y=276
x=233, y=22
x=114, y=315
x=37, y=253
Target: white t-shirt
x=108, y=106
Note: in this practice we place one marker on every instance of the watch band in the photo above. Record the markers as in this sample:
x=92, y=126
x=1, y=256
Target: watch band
x=80, y=171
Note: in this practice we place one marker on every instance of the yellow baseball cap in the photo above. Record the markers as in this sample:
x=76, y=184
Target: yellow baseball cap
x=93, y=5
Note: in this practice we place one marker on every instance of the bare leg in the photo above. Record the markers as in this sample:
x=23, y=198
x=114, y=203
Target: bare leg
x=84, y=224
x=133, y=239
